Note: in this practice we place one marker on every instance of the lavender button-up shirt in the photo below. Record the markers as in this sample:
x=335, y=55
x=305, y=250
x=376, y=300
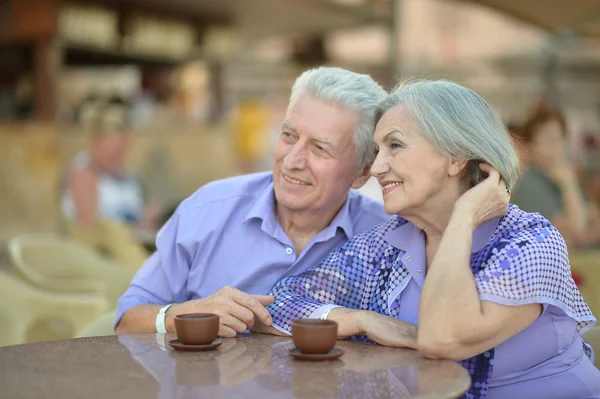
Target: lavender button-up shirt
x=227, y=234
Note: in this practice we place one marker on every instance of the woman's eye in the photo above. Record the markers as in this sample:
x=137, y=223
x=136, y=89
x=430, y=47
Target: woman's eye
x=396, y=145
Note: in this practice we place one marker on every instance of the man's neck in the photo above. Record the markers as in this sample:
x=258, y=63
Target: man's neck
x=302, y=226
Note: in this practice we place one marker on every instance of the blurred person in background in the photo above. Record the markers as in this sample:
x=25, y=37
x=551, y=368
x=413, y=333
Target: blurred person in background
x=550, y=184
x=102, y=204
x=97, y=184
x=231, y=241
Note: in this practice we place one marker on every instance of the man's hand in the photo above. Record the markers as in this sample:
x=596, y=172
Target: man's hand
x=235, y=308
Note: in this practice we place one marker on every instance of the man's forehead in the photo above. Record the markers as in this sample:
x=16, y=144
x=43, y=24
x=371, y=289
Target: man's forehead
x=321, y=120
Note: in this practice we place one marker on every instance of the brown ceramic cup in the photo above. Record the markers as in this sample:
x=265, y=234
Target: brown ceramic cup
x=197, y=328
x=314, y=335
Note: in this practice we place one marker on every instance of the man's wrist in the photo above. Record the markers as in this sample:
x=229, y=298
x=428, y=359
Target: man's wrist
x=170, y=316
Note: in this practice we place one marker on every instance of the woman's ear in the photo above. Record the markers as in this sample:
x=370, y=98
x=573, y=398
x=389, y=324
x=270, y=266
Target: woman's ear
x=455, y=168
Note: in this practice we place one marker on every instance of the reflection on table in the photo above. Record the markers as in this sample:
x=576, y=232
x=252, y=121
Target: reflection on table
x=251, y=366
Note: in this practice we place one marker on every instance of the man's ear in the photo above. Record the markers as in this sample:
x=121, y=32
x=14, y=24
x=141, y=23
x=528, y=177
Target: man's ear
x=456, y=167
x=361, y=179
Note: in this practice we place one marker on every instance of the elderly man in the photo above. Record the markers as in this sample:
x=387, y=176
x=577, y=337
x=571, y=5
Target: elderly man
x=231, y=241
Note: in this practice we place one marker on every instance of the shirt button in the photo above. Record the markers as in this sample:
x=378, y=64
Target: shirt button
x=418, y=272
x=408, y=258
x=289, y=250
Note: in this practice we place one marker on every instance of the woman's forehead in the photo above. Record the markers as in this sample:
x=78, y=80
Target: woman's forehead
x=396, y=118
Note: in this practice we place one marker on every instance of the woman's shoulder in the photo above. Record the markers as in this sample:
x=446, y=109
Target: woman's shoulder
x=525, y=230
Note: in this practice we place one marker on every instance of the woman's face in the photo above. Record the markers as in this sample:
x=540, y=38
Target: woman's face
x=415, y=176
x=548, y=144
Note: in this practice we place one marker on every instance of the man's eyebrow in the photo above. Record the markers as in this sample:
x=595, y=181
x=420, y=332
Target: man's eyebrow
x=287, y=125
x=323, y=140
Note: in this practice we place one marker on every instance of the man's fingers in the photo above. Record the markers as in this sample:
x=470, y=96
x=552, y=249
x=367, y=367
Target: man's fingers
x=226, y=332
x=241, y=313
x=250, y=302
x=234, y=323
x=265, y=300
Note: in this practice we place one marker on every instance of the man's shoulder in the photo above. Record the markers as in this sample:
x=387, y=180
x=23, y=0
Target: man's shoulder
x=364, y=209
x=230, y=190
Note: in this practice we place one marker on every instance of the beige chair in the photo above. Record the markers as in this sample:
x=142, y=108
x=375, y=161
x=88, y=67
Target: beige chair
x=28, y=314
x=100, y=327
x=112, y=238
x=58, y=264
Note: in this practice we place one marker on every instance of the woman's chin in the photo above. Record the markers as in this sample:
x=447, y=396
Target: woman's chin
x=391, y=209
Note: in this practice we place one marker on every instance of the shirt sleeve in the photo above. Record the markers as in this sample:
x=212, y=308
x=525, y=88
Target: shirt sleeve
x=528, y=263
x=338, y=280
x=162, y=278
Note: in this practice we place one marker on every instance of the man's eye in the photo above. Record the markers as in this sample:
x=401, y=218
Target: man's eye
x=318, y=147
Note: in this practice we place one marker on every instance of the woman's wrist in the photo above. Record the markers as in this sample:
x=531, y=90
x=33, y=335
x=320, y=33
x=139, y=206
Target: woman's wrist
x=349, y=321
x=462, y=216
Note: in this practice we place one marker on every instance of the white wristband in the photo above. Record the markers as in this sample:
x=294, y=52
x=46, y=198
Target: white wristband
x=160, y=319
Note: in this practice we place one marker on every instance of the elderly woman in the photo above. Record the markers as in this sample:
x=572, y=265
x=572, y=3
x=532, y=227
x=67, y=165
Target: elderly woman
x=459, y=273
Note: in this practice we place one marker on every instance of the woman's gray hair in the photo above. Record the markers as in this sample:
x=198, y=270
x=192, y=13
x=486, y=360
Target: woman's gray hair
x=460, y=124
x=348, y=90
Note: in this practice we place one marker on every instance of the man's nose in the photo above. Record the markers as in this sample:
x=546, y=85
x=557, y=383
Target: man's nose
x=296, y=158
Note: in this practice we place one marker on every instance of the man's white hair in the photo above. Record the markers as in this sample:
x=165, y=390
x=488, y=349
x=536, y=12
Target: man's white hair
x=350, y=91
x=460, y=124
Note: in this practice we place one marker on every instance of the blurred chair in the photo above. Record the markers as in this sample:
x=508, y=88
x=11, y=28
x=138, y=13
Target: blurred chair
x=593, y=338
x=585, y=265
x=61, y=265
x=112, y=238
x=28, y=314
x=100, y=327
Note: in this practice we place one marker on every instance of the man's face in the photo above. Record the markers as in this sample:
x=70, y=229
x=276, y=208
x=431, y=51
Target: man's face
x=315, y=157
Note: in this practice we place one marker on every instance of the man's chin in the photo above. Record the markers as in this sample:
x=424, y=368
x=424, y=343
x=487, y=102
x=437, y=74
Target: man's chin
x=292, y=203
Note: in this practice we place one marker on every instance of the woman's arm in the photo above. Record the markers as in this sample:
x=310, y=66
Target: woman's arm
x=337, y=281
x=453, y=322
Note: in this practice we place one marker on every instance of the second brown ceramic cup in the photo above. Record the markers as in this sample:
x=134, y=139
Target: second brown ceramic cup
x=314, y=335
x=197, y=328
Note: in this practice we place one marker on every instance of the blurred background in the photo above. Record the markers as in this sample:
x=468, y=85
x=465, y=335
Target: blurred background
x=144, y=101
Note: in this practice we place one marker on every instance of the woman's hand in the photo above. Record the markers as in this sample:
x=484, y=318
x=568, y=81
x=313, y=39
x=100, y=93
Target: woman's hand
x=487, y=200
x=387, y=331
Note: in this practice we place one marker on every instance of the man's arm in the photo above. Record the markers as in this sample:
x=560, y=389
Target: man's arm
x=237, y=312
x=163, y=280
x=142, y=318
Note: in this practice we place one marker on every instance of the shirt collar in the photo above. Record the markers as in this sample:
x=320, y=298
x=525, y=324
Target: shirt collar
x=342, y=220
x=403, y=235
x=483, y=234
x=264, y=209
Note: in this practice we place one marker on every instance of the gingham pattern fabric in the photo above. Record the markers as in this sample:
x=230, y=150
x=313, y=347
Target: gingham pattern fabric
x=524, y=262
